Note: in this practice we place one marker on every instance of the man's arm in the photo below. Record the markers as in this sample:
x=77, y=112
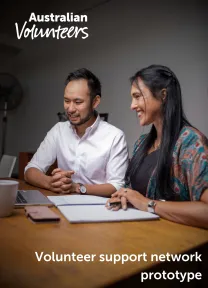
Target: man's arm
x=105, y=190
x=115, y=169
x=117, y=162
x=37, y=178
x=42, y=160
x=60, y=182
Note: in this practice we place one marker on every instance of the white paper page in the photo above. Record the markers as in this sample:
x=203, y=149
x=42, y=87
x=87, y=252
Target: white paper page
x=77, y=200
x=99, y=213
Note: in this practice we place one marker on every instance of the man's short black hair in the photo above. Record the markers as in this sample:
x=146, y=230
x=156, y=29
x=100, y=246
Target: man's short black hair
x=92, y=81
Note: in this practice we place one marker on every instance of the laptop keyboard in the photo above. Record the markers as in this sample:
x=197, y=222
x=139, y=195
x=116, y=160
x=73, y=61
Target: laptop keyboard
x=20, y=198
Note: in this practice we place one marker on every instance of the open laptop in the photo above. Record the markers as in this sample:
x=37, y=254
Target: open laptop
x=31, y=197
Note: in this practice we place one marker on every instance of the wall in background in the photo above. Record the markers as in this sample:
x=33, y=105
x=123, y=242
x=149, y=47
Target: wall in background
x=124, y=37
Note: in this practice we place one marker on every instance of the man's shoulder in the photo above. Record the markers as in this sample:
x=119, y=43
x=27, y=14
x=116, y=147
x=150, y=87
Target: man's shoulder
x=59, y=126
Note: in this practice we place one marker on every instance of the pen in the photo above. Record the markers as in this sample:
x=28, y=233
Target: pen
x=114, y=203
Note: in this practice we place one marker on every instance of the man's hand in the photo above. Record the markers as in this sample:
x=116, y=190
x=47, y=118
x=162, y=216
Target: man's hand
x=61, y=182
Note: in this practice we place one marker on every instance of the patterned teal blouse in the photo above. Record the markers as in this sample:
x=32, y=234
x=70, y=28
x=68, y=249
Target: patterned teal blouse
x=189, y=167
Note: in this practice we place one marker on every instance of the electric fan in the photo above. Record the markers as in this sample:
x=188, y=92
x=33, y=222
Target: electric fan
x=10, y=98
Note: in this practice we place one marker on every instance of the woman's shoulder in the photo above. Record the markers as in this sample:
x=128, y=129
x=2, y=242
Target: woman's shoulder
x=191, y=136
x=191, y=144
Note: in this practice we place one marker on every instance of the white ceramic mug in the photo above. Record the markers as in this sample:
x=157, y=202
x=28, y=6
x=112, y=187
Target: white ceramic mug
x=8, y=194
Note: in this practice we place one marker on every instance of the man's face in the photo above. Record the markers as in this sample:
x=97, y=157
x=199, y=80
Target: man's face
x=77, y=102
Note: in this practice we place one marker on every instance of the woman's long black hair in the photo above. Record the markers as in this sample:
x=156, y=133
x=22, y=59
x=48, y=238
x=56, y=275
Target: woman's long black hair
x=156, y=78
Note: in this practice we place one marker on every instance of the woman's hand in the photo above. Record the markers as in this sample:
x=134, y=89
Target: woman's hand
x=125, y=195
x=116, y=203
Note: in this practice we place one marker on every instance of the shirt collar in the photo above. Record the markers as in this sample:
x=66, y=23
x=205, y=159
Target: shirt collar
x=91, y=128
x=94, y=126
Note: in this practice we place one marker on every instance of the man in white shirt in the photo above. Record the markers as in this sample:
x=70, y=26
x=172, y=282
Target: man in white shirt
x=91, y=154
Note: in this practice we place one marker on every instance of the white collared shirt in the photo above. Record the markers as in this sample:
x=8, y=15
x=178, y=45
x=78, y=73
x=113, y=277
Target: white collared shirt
x=100, y=156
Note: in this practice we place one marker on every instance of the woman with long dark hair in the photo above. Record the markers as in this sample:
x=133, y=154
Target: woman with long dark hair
x=168, y=173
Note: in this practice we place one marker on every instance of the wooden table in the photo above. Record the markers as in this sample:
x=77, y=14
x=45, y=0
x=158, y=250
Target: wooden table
x=19, y=239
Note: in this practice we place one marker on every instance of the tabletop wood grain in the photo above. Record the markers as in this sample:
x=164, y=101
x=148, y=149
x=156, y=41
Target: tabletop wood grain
x=20, y=239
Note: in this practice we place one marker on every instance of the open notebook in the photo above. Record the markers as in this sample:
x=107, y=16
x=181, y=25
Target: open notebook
x=87, y=208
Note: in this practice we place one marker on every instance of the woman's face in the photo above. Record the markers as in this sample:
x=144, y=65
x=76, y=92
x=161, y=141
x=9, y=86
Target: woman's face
x=148, y=108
